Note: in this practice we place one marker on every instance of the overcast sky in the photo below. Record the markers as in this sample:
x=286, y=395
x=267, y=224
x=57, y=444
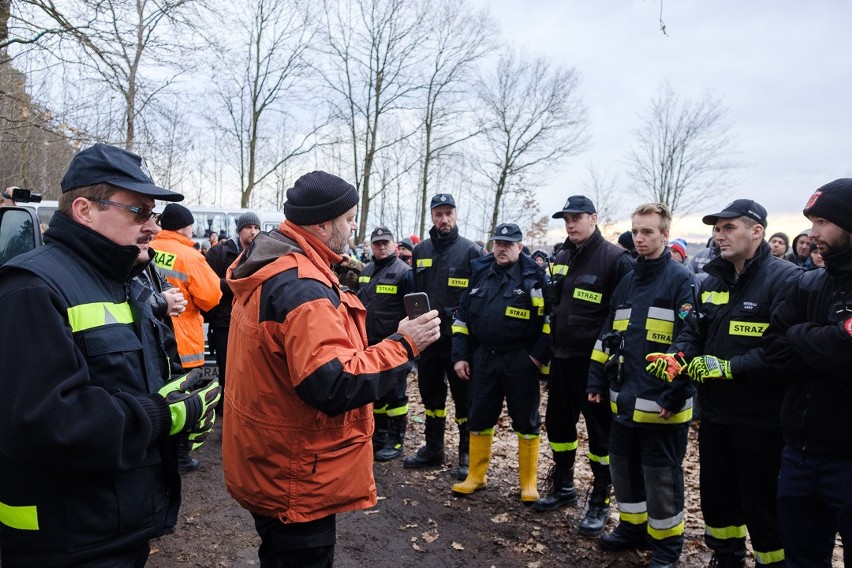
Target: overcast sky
x=783, y=68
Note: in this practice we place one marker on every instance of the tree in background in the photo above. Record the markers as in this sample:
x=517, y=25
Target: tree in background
x=532, y=118
x=683, y=151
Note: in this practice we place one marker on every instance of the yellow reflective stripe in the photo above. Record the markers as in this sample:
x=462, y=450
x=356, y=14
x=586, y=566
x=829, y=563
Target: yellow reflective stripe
x=382, y=410
x=424, y=262
x=659, y=325
x=763, y=558
x=545, y=328
x=164, y=259
x=24, y=518
x=545, y=370
x=718, y=298
x=660, y=534
x=603, y=460
x=363, y=279
x=747, y=328
x=517, y=313
x=564, y=446
x=725, y=533
x=588, y=295
x=537, y=300
x=620, y=325
x=98, y=314
x=439, y=413
x=659, y=336
x=457, y=282
x=398, y=411
x=633, y=518
x=599, y=356
x=459, y=327
x=612, y=406
x=386, y=289
x=560, y=269
x=644, y=417
x=458, y=420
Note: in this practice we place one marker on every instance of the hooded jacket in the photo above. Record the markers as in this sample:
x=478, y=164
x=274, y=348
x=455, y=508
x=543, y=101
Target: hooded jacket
x=186, y=269
x=220, y=258
x=810, y=341
x=86, y=465
x=300, y=382
x=734, y=313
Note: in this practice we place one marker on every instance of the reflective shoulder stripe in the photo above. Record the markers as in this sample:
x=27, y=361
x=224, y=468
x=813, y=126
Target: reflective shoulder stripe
x=98, y=314
x=560, y=269
x=22, y=518
x=424, y=262
x=460, y=327
x=718, y=298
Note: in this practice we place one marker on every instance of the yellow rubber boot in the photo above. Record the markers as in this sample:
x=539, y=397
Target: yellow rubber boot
x=480, y=457
x=528, y=468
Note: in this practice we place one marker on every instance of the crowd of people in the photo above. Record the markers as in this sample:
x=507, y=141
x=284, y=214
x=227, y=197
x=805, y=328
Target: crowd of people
x=314, y=349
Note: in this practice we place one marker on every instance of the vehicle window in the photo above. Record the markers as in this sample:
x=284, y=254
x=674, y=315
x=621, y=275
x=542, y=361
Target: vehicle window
x=207, y=222
x=17, y=234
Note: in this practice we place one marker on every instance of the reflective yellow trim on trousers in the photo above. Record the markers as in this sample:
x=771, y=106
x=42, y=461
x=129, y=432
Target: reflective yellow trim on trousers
x=382, y=410
x=439, y=413
x=564, y=446
x=603, y=460
x=398, y=411
x=633, y=518
x=458, y=420
x=660, y=534
x=725, y=533
x=768, y=557
x=22, y=518
x=98, y=314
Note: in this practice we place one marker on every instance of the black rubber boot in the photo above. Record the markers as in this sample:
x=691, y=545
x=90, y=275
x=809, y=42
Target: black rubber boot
x=433, y=452
x=396, y=438
x=186, y=463
x=464, y=451
x=562, y=493
x=380, y=432
x=734, y=560
x=594, y=523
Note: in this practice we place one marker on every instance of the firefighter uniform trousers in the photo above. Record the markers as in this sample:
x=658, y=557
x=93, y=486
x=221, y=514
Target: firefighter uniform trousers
x=729, y=503
x=434, y=373
x=504, y=373
x=645, y=464
x=566, y=391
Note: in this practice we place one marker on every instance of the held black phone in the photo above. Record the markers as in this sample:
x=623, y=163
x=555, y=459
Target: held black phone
x=416, y=304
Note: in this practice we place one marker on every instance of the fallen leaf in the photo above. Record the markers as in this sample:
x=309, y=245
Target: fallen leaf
x=458, y=546
x=501, y=518
x=430, y=536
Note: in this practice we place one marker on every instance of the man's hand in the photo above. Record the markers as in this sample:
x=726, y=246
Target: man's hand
x=595, y=397
x=189, y=404
x=462, y=369
x=175, y=301
x=709, y=367
x=665, y=366
x=423, y=330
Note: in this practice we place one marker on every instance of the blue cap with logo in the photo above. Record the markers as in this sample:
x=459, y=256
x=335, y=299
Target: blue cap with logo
x=576, y=204
x=443, y=199
x=507, y=232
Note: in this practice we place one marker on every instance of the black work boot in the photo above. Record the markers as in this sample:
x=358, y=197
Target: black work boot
x=732, y=560
x=562, y=493
x=464, y=451
x=597, y=514
x=433, y=452
x=185, y=463
x=396, y=438
x=380, y=432
x=633, y=538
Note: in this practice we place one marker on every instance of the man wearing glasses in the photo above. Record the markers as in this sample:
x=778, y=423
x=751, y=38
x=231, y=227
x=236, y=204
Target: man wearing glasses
x=88, y=469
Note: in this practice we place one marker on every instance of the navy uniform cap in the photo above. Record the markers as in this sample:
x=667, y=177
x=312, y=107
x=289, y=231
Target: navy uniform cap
x=507, y=232
x=443, y=199
x=576, y=204
x=381, y=234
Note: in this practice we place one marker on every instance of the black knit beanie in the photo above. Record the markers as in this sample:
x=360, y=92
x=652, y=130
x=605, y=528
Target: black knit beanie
x=833, y=202
x=783, y=237
x=176, y=217
x=318, y=197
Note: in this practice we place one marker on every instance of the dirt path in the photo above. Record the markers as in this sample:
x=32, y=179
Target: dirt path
x=418, y=521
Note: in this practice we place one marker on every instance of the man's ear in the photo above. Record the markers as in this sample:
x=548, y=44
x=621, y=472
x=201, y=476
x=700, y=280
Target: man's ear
x=81, y=211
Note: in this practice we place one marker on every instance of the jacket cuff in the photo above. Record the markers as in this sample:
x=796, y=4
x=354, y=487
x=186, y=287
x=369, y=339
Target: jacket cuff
x=407, y=343
x=158, y=412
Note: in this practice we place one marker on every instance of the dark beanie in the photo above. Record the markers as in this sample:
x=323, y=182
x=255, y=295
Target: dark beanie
x=318, y=197
x=625, y=239
x=783, y=237
x=833, y=202
x=176, y=217
x=247, y=219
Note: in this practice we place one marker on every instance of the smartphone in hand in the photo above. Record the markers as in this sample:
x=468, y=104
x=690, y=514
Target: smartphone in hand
x=416, y=304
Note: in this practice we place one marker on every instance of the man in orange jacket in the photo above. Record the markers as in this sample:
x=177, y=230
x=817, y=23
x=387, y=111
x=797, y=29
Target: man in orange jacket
x=187, y=270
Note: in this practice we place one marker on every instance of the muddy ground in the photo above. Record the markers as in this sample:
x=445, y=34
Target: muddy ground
x=418, y=521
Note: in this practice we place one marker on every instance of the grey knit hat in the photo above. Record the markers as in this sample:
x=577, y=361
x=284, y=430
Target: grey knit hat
x=249, y=218
x=318, y=197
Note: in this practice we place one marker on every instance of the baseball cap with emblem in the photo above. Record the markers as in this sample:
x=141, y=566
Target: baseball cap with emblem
x=381, y=234
x=507, y=232
x=443, y=199
x=739, y=208
x=576, y=204
x=116, y=166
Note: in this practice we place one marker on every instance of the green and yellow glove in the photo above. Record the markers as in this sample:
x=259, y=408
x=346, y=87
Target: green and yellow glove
x=665, y=366
x=709, y=367
x=190, y=404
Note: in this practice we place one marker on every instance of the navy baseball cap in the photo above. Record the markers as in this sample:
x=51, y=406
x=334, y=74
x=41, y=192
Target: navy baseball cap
x=381, y=234
x=443, y=199
x=116, y=166
x=576, y=204
x=507, y=232
x=738, y=208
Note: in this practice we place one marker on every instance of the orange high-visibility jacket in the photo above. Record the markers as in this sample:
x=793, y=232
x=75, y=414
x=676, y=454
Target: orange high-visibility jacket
x=186, y=268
